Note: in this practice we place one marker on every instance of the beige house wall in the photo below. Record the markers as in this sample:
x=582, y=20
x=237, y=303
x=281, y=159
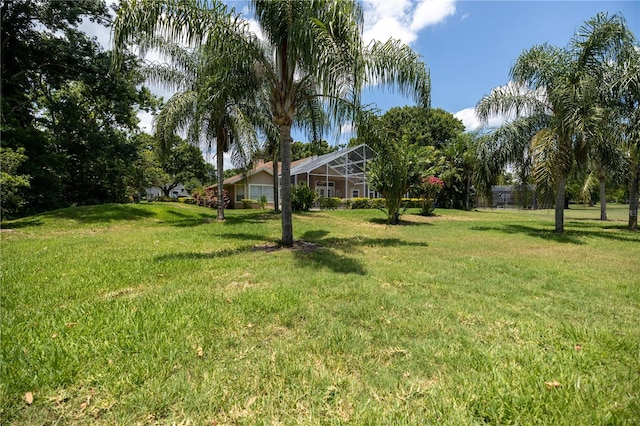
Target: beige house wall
x=260, y=178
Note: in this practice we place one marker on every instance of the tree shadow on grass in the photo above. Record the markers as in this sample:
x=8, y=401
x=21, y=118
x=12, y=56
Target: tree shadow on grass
x=334, y=251
x=331, y=259
x=218, y=254
x=571, y=236
x=182, y=220
x=320, y=237
x=315, y=250
x=260, y=216
x=384, y=221
x=22, y=223
x=104, y=213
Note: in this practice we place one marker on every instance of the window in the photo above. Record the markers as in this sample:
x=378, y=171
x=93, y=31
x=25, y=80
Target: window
x=257, y=191
x=239, y=193
x=355, y=193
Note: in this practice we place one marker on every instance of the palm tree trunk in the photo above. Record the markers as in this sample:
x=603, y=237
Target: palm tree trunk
x=276, y=183
x=467, y=206
x=603, y=198
x=633, y=201
x=560, y=205
x=220, y=164
x=285, y=153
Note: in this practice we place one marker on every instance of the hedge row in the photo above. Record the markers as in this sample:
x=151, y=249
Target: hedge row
x=363, y=203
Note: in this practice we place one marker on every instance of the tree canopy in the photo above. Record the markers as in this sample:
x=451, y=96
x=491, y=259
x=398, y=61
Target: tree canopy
x=62, y=108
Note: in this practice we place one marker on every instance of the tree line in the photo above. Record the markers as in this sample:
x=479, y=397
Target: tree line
x=70, y=132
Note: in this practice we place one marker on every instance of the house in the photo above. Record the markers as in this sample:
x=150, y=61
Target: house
x=340, y=174
x=156, y=191
x=502, y=196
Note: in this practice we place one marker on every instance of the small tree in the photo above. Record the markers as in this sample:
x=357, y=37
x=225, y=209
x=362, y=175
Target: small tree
x=303, y=197
x=428, y=190
x=392, y=173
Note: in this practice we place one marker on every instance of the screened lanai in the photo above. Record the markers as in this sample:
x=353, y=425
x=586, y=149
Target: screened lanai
x=339, y=174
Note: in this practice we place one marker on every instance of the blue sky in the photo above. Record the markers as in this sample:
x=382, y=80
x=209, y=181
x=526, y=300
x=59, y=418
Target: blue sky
x=470, y=50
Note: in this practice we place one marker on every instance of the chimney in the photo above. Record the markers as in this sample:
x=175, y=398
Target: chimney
x=259, y=162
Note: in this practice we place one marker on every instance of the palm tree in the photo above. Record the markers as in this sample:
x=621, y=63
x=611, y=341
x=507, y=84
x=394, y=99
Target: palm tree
x=214, y=102
x=318, y=52
x=554, y=98
x=606, y=159
x=627, y=88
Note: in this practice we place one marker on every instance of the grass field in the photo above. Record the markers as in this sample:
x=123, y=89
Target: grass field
x=157, y=314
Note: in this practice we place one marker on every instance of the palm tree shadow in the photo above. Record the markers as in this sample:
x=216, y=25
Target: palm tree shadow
x=569, y=236
x=260, y=216
x=333, y=252
x=384, y=221
x=218, y=254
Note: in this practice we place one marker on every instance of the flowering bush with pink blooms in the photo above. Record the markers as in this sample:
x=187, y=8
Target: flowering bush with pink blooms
x=428, y=190
x=208, y=197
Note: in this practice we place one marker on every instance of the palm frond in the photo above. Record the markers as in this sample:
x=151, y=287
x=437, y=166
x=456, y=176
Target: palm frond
x=513, y=100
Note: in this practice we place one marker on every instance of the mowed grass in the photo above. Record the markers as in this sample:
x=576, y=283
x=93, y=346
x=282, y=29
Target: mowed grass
x=157, y=314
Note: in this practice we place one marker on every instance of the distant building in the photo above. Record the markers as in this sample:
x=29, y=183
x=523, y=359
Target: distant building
x=514, y=196
x=156, y=191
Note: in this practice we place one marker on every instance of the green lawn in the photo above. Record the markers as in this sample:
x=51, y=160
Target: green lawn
x=157, y=314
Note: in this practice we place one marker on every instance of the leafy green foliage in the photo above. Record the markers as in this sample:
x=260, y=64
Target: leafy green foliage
x=181, y=162
x=300, y=150
x=395, y=168
x=61, y=104
x=456, y=169
x=392, y=174
x=329, y=203
x=303, y=197
x=422, y=127
x=11, y=183
x=208, y=197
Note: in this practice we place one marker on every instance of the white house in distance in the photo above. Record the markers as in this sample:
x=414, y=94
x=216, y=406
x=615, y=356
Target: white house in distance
x=156, y=191
x=340, y=174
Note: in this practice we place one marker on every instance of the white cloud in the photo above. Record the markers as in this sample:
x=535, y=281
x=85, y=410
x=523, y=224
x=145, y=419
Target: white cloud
x=471, y=121
x=403, y=19
x=254, y=27
x=431, y=12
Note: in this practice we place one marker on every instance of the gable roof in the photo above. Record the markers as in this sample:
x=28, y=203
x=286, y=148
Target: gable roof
x=266, y=167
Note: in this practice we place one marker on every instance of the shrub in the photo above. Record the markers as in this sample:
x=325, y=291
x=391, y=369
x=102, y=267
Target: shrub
x=329, y=203
x=378, y=203
x=360, y=203
x=247, y=203
x=208, y=197
x=263, y=201
x=411, y=203
x=163, y=199
x=429, y=189
x=302, y=197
